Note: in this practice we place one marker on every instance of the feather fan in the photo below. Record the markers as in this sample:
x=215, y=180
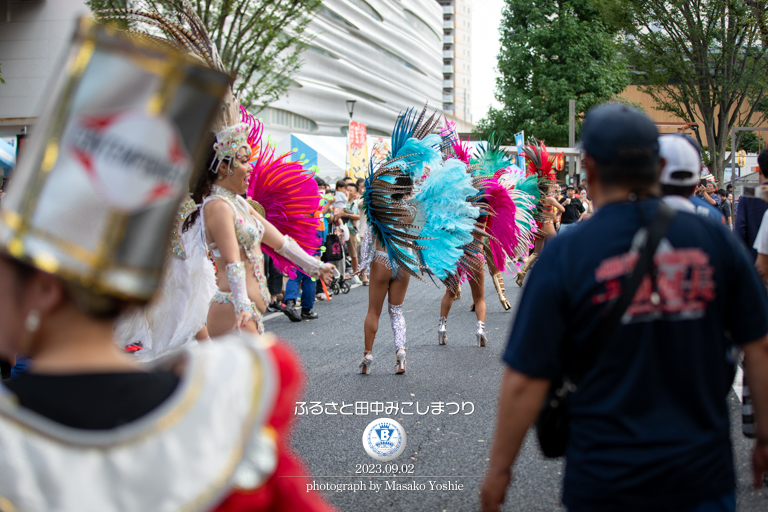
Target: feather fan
x=288, y=194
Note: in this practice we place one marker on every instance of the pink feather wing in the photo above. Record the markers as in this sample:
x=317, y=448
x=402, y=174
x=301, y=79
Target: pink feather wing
x=290, y=199
x=501, y=225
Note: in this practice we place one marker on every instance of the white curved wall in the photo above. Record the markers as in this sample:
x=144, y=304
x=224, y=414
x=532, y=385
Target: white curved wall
x=385, y=84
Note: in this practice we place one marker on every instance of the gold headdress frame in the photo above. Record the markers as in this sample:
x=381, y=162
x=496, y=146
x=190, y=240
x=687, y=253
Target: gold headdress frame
x=108, y=264
x=187, y=32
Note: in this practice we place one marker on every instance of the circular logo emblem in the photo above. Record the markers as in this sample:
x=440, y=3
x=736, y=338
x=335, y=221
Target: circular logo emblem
x=384, y=439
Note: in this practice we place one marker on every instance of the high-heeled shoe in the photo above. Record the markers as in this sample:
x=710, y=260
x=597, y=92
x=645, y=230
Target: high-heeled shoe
x=498, y=283
x=528, y=264
x=366, y=363
x=442, y=331
x=400, y=361
x=482, y=339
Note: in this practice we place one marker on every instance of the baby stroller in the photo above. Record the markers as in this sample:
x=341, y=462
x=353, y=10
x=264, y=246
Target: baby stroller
x=338, y=285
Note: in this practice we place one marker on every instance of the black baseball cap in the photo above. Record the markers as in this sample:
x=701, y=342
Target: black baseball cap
x=617, y=133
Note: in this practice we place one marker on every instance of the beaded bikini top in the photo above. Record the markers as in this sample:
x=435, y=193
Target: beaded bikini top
x=248, y=229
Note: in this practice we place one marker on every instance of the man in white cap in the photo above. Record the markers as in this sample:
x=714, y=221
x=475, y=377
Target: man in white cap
x=681, y=166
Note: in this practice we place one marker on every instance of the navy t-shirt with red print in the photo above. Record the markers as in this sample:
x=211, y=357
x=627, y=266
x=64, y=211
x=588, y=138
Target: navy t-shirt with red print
x=649, y=423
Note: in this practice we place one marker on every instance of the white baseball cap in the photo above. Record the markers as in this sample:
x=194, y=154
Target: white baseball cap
x=682, y=161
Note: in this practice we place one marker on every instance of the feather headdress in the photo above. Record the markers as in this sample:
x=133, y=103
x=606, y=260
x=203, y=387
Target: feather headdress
x=540, y=162
x=415, y=148
x=490, y=158
x=391, y=218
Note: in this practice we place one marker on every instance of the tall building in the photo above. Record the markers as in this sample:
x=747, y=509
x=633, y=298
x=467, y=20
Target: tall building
x=457, y=17
x=384, y=54
x=32, y=37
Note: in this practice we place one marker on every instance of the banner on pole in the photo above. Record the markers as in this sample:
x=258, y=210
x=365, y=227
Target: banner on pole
x=520, y=143
x=358, y=151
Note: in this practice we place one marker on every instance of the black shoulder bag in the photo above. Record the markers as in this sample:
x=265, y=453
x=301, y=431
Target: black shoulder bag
x=552, y=423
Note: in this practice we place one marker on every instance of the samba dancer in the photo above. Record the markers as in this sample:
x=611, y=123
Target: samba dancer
x=502, y=231
x=540, y=164
x=418, y=219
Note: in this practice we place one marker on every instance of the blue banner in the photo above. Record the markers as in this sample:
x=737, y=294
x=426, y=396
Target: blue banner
x=520, y=143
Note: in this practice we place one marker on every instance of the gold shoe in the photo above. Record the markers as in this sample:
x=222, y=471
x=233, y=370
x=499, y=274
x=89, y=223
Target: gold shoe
x=498, y=282
x=366, y=363
x=528, y=264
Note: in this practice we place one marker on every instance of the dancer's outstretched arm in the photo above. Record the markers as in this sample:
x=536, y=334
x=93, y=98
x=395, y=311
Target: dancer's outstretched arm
x=287, y=247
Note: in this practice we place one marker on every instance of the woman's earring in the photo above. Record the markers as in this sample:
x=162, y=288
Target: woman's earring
x=231, y=171
x=32, y=322
x=221, y=176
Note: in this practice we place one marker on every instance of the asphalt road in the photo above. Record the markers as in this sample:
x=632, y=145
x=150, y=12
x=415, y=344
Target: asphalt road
x=443, y=448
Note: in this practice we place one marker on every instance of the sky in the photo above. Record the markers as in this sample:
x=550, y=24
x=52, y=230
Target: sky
x=486, y=16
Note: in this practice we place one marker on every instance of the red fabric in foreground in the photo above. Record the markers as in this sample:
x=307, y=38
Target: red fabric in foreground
x=281, y=494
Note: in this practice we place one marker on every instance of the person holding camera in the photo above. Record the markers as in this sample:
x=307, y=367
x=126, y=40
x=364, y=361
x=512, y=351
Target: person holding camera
x=749, y=214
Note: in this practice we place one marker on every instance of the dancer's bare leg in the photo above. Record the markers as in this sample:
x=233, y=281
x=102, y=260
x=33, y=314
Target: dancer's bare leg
x=446, y=303
x=377, y=291
x=477, y=285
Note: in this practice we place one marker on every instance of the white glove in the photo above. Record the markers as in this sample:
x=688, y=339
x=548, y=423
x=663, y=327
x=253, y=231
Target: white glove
x=293, y=251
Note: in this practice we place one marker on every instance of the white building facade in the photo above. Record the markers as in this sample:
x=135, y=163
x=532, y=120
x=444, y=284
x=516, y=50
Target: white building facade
x=384, y=54
x=33, y=35
x=457, y=52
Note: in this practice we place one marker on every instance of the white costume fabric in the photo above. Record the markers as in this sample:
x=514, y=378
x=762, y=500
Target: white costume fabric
x=205, y=440
x=180, y=307
x=761, y=240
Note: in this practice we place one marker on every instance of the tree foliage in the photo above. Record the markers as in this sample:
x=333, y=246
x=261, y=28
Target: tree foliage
x=260, y=41
x=552, y=51
x=702, y=60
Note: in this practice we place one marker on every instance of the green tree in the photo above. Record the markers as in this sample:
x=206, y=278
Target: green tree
x=260, y=41
x=702, y=60
x=552, y=51
x=1, y=77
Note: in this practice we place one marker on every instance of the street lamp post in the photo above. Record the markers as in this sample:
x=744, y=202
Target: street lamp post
x=351, y=110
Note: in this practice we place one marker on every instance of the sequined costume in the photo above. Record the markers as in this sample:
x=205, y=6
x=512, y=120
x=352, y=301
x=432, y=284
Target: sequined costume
x=249, y=232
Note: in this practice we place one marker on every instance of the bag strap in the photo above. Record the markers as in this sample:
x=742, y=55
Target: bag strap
x=657, y=230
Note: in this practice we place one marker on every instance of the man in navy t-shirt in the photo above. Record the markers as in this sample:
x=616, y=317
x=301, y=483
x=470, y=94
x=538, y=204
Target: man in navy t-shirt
x=749, y=214
x=649, y=425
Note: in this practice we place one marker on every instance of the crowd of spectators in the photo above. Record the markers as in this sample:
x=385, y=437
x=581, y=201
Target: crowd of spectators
x=340, y=232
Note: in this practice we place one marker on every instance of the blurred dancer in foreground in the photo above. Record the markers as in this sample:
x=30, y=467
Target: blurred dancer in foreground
x=82, y=237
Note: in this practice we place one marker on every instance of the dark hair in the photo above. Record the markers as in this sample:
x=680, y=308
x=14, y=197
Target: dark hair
x=360, y=181
x=320, y=182
x=677, y=190
x=721, y=193
x=729, y=187
x=636, y=176
x=354, y=186
x=341, y=184
x=94, y=304
x=348, y=178
x=762, y=162
x=204, y=181
x=570, y=187
x=402, y=181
